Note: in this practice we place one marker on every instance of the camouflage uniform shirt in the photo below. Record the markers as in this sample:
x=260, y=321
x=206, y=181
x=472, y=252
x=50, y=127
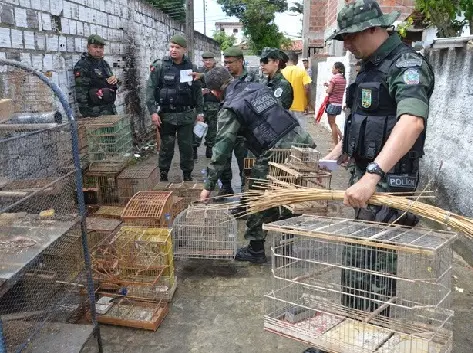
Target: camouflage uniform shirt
x=282, y=89
x=91, y=73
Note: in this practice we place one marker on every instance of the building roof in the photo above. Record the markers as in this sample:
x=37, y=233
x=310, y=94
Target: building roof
x=296, y=45
x=229, y=24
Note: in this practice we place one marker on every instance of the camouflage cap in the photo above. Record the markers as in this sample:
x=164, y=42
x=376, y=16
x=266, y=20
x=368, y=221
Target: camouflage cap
x=360, y=15
x=179, y=40
x=95, y=39
x=217, y=77
x=271, y=53
x=208, y=55
x=233, y=52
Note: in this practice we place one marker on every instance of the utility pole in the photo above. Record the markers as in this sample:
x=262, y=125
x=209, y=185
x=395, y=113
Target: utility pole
x=205, y=23
x=190, y=29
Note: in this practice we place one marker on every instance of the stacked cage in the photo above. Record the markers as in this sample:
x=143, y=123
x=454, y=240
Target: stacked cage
x=352, y=286
x=205, y=232
x=298, y=167
x=138, y=177
x=43, y=277
x=135, y=273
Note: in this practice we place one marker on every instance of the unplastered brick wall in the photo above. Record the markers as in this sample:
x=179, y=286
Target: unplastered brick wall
x=50, y=36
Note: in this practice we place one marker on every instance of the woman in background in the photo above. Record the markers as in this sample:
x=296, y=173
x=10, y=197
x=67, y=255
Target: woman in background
x=335, y=90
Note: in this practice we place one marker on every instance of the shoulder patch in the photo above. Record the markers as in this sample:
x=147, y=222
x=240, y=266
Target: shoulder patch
x=278, y=92
x=411, y=76
x=152, y=68
x=77, y=73
x=409, y=61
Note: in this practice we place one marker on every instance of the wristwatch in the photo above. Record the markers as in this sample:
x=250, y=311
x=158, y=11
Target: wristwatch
x=374, y=168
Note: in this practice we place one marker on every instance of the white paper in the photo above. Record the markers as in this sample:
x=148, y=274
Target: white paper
x=185, y=76
x=328, y=164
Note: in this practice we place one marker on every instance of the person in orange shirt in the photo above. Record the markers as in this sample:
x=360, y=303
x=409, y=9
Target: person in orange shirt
x=300, y=82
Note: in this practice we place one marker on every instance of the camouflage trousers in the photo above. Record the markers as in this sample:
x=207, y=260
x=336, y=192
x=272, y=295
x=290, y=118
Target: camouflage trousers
x=173, y=126
x=240, y=152
x=210, y=118
x=260, y=170
x=367, y=291
x=98, y=110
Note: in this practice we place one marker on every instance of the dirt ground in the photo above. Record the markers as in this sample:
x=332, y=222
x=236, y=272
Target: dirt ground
x=218, y=306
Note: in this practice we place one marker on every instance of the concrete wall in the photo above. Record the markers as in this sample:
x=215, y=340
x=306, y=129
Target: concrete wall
x=51, y=35
x=450, y=130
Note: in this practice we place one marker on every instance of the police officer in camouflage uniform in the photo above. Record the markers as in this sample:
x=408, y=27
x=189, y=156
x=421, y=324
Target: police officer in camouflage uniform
x=234, y=63
x=384, y=136
x=271, y=65
x=211, y=106
x=174, y=106
x=235, y=118
x=96, y=86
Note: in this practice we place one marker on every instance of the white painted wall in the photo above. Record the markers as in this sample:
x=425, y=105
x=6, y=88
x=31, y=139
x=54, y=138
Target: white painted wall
x=450, y=130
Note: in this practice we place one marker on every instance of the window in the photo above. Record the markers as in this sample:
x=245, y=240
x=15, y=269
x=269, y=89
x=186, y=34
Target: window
x=235, y=30
x=222, y=29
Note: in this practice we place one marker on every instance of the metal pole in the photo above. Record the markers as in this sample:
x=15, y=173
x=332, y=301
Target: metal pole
x=190, y=29
x=205, y=23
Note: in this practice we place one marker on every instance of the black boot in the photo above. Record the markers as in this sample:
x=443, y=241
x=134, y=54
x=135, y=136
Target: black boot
x=313, y=350
x=186, y=176
x=195, y=152
x=163, y=175
x=247, y=253
x=208, y=152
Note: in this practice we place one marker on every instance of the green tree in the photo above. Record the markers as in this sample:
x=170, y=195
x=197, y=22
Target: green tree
x=225, y=41
x=443, y=15
x=257, y=17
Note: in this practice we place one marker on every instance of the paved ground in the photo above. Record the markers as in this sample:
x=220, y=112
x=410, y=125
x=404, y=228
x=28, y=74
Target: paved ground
x=218, y=306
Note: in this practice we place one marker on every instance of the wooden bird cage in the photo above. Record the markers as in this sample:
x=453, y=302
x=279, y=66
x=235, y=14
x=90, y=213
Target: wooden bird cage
x=138, y=177
x=149, y=208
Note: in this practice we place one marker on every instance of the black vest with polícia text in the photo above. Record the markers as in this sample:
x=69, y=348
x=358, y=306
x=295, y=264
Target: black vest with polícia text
x=264, y=121
x=373, y=116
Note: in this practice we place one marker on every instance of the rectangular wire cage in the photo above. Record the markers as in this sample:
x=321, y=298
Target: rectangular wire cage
x=101, y=188
x=138, y=177
x=109, y=143
x=188, y=190
x=353, y=286
x=205, y=232
x=304, y=159
x=149, y=208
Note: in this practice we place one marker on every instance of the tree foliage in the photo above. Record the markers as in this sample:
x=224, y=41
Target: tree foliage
x=443, y=15
x=224, y=40
x=257, y=17
x=176, y=9
x=297, y=7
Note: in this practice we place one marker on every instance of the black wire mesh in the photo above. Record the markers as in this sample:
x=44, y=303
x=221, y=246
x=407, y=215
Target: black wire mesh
x=45, y=282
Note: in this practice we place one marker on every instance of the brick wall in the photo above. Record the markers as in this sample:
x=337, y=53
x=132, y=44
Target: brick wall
x=51, y=35
x=323, y=16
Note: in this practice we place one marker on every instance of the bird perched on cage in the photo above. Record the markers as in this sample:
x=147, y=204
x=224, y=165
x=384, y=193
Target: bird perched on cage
x=250, y=110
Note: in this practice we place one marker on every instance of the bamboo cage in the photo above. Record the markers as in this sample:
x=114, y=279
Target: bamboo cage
x=149, y=208
x=353, y=286
x=135, y=178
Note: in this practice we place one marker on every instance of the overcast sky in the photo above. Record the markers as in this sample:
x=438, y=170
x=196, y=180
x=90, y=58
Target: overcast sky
x=286, y=22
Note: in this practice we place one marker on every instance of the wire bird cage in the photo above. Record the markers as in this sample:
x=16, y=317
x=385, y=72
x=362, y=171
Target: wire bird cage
x=353, y=286
x=45, y=277
x=139, y=177
x=205, y=232
x=149, y=208
x=304, y=159
x=109, y=143
x=100, y=188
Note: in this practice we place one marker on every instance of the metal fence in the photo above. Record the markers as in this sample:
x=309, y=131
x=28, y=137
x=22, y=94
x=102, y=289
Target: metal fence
x=47, y=295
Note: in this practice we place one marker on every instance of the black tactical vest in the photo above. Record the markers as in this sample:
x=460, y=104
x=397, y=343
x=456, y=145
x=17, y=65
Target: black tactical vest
x=264, y=122
x=170, y=92
x=373, y=116
x=100, y=91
